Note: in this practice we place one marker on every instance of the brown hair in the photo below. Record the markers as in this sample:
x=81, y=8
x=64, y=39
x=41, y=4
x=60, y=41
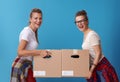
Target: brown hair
x=37, y=11
x=82, y=13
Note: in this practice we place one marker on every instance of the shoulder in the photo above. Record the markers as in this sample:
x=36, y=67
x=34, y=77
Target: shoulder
x=94, y=38
x=93, y=33
x=25, y=34
x=25, y=30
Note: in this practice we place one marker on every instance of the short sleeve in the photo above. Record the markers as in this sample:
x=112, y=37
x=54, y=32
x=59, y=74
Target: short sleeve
x=94, y=39
x=25, y=34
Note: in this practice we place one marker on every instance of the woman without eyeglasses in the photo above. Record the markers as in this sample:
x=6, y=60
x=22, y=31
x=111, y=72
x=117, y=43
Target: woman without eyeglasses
x=28, y=42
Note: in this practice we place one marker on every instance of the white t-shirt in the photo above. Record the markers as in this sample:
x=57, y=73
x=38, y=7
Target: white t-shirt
x=28, y=35
x=92, y=39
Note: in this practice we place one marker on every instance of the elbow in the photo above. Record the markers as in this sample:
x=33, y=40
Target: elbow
x=19, y=52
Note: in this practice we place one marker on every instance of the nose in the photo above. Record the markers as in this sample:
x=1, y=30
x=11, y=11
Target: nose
x=79, y=24
x=39, y=20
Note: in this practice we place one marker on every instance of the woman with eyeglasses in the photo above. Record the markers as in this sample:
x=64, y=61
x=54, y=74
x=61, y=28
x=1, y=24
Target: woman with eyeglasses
x=100, y=68
x=28, y=42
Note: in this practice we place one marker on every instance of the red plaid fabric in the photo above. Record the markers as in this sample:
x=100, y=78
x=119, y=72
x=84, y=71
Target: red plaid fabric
x=22, y=71
x=30, y=77
x=104, y=72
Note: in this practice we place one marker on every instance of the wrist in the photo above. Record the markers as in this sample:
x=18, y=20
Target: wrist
x=93, y=67
x=94, y=64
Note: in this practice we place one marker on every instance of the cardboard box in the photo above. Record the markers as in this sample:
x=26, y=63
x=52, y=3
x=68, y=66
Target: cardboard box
x=62, y=63
x=48, y=67
x=75, y=63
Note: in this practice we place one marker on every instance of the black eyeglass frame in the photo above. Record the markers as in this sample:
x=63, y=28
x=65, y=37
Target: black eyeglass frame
x=80, y=21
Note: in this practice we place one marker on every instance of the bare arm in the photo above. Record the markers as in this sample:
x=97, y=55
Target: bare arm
x=97, y=49
x=23, y=52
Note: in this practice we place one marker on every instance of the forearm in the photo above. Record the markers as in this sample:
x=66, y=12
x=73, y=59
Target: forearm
x=95, y=62
x=97, y=59
x=28, y=52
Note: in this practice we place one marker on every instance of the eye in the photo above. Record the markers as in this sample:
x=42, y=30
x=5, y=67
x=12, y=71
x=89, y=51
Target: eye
x=36, y=18
x=40, y=18
x=80, y=21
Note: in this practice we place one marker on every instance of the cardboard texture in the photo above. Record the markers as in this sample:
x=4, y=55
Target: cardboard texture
x=75, y=63
x=48, y=67
x=62, y=63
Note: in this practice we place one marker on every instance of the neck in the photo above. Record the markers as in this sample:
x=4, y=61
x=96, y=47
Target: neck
x=34, y=29
x=86, y=31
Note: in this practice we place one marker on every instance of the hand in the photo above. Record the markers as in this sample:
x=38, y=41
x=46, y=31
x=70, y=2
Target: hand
x=43, y=53
x=89, y=75
x=49, y=53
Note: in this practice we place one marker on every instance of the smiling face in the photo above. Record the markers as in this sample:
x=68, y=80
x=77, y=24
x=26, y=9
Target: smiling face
x=81, y=23
x=35, y=20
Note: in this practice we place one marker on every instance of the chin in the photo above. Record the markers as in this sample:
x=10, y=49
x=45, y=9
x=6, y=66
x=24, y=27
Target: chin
x=80, y=29
x=37, y=26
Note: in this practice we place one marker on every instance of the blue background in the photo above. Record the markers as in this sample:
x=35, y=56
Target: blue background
x=58, y=30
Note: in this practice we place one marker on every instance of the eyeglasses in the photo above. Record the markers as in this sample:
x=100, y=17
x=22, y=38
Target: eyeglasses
x=80, y=21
